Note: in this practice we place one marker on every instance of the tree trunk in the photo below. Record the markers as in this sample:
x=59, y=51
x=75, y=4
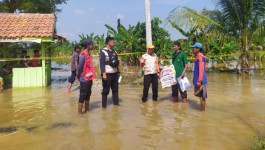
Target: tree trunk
x=245, y=67
x=254, y=56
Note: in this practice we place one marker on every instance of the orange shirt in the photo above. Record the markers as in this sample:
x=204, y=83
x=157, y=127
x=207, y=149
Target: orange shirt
x=35, y=61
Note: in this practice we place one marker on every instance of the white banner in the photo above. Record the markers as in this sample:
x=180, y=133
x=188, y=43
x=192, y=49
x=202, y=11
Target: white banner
x=168, y=76
x=20, y=39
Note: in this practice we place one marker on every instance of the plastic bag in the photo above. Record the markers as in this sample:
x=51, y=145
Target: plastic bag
x=184, y=83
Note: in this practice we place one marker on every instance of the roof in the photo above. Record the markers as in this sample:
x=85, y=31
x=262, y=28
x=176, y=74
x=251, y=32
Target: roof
x=26, y=25
x=59, y=37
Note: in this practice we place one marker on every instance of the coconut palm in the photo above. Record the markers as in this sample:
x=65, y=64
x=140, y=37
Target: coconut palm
x=240, y=19
x=127, y=40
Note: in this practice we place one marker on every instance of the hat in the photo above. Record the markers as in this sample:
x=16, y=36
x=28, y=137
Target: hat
x=150, y=46
x=88, y=42
x=177, y=43
x=77, y=47
x=199, y=45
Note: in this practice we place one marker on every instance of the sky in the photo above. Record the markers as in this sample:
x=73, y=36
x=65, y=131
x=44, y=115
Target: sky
x=88, y=16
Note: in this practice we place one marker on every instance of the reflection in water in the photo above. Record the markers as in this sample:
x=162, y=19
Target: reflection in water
x=153, y=127
x=46, y=118
x=110, y=133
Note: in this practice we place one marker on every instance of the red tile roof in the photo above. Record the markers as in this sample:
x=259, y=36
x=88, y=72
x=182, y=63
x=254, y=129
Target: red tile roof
x=26, y=25
x=59, y=37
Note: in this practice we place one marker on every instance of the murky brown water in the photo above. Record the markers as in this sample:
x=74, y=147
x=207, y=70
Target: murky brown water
x=46, y=118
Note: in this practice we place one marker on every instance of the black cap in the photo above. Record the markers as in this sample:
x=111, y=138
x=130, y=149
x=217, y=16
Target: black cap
x=77, y=47
x=177, y=43
x=88, y=42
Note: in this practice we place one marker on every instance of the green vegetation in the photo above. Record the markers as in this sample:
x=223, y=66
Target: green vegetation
x=133, y=40
x=260, y=144
x=234, y=31
x=235, y=25
x=31, y=6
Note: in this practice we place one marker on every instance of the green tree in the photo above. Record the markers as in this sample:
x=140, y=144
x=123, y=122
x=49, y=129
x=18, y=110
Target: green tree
x=99, y=41
x=133, y=39
x=239, y=19
x=31, y=6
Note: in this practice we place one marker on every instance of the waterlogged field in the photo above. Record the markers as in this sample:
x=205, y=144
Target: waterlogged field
x=46, y=118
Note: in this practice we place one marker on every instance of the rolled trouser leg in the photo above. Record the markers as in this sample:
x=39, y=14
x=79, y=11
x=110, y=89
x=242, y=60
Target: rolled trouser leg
x=104, y=101
x=115, y=96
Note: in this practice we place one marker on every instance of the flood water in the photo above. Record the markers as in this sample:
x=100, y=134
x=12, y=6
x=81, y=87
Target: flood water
x=46, y=118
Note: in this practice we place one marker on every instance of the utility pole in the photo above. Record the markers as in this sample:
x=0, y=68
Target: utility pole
x=148, y=22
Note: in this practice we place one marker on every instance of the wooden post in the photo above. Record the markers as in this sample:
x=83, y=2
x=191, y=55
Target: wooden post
x=43, y=64
x=48, y=66
x=5, y=50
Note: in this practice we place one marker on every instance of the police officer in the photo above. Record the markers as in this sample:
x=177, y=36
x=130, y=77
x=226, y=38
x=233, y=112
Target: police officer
x=110, y=72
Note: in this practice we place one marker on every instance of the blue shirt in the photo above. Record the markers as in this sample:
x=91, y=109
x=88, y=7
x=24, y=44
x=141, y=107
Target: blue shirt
x=102, y=61
x=200, y=70
x=80, y=69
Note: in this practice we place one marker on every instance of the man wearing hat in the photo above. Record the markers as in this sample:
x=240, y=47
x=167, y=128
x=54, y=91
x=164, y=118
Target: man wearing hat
x=86, y=74
x=200, y=78
x=180, y=63
x=149, y=62
x=74, y=67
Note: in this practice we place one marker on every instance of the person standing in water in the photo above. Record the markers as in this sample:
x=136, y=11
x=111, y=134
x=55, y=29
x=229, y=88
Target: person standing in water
x=200, y=78
x=109, y=66
x=86, y=74
x=180, y=63
x=74, y=67
x=149, y=62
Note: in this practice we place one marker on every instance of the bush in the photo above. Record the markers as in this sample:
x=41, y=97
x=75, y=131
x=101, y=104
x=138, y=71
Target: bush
x=260, y=144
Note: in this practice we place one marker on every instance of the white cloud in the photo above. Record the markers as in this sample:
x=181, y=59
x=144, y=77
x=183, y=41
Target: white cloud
x=119, y=16
x=79, y=12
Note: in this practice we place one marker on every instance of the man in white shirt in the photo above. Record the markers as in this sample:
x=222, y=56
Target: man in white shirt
x=149, y=62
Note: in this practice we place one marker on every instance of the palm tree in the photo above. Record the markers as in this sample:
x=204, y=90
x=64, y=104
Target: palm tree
x=128, y=40
x=240, y=19
x=99, y=40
